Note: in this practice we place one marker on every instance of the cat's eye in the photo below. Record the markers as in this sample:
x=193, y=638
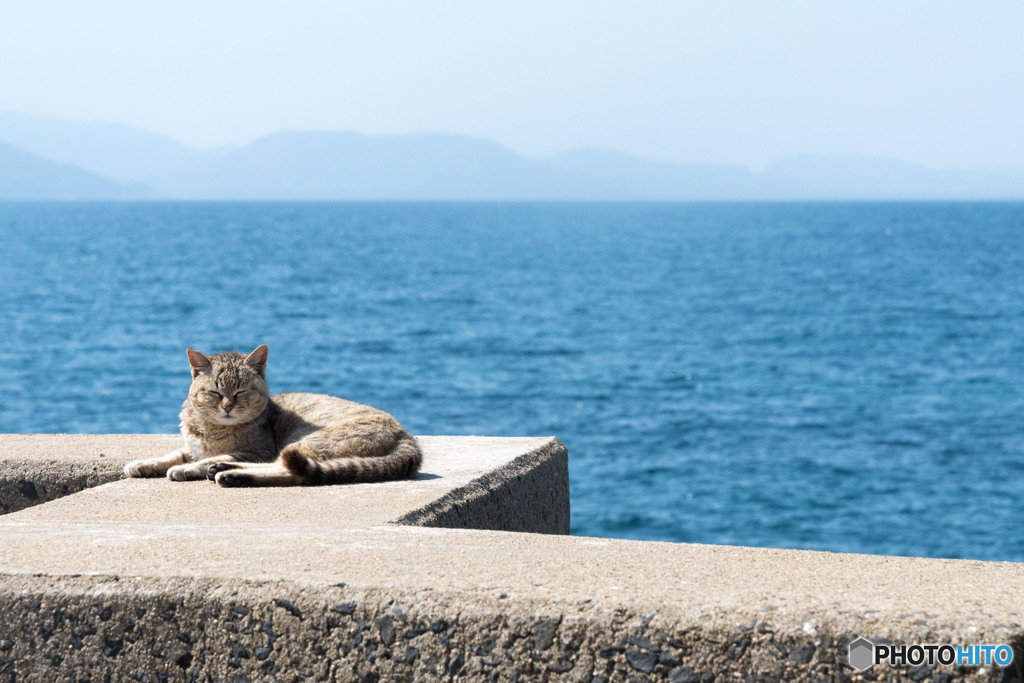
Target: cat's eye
x=243, y=395
x=212, y=395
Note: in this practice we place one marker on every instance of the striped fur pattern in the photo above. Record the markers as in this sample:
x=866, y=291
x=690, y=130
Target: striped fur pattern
x=238, y=435
x=400, y=462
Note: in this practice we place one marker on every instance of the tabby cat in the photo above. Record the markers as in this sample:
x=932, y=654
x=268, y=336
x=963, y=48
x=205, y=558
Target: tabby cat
x=237, y=435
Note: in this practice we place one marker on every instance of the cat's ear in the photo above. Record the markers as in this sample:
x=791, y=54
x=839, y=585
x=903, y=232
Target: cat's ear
x=199, y=362
x=257, y=360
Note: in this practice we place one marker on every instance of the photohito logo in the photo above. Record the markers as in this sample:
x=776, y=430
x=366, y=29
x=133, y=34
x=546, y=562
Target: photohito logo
x=864, y=654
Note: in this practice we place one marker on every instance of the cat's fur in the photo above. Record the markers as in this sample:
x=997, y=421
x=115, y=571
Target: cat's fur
x=237, y=435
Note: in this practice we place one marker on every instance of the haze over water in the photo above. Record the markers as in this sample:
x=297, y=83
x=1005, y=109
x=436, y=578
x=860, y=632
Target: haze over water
x=830, y=376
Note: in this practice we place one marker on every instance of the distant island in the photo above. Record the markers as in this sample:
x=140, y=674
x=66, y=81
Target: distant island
x=52, y=159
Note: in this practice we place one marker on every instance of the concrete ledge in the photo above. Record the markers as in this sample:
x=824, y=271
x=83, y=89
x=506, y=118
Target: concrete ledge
x=503, y=483
x=37, y=468
x=428, y=604
x=530, y=493
x=158, y=581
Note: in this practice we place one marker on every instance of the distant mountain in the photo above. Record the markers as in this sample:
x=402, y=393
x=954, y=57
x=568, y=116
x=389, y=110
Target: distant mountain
x=327, y=165
x=112, y=150
x=632, y=178
x=845, y=177
x=24, y=176
x=103, y=160
x=344, y=166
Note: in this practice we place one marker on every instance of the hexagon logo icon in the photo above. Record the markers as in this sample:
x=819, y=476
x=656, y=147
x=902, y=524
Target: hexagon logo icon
x=862, y=654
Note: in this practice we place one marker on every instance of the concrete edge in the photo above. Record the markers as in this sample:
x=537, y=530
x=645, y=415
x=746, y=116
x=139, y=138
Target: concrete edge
x=21, y=489
x=39, y=468
x=197, y=629
x=529, y=494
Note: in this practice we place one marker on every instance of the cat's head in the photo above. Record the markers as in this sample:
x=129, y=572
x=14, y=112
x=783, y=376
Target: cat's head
x=228, y=388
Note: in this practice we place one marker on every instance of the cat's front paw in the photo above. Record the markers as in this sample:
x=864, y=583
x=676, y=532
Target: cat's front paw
x=214, y=470
x=187, y=472
x=235, y=479
x=139, y=468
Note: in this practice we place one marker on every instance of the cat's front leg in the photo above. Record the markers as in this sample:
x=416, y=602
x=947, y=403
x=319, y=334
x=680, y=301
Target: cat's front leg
x=196, y=470
x=239, y=460
x=155, y=467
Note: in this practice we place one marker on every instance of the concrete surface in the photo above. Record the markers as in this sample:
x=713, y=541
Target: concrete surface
x=153, y=580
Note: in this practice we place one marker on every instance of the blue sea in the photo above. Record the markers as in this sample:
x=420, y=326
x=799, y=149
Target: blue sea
x=842, y=377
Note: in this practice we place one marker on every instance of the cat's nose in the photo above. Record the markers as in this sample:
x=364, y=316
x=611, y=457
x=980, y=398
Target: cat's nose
x=227, y=407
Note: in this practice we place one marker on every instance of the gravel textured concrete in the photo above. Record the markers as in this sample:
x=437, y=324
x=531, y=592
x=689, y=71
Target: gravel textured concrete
x=152, y=580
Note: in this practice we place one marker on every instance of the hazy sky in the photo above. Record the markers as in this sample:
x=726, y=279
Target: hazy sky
x=941, y=83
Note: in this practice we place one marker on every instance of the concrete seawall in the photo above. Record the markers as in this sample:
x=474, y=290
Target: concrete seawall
x=444, y=577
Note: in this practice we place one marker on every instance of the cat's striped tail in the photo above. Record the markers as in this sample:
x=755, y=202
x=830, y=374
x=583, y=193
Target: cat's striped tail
x=402, y=461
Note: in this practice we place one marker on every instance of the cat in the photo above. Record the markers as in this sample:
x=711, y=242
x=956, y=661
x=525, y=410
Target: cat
x=237, y=435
